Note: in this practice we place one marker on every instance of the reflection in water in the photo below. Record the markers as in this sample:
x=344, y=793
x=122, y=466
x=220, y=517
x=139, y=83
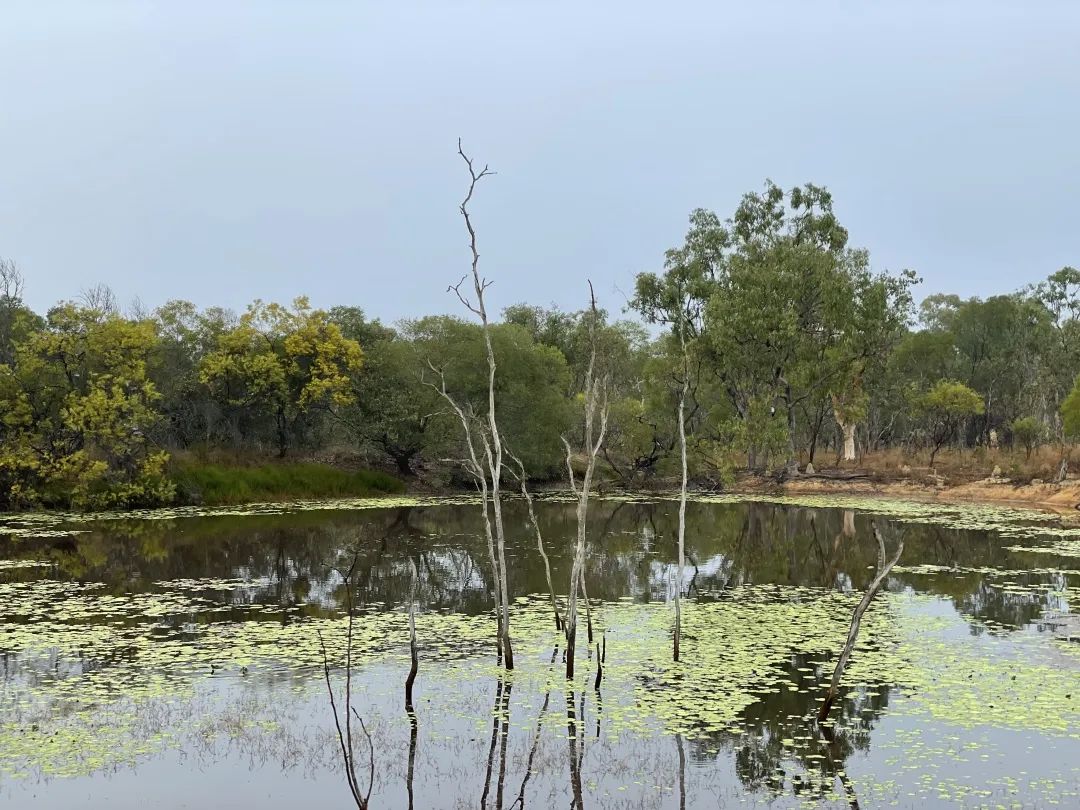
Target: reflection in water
x=831, y=752
x=348, y=750
x=500, y=731
x=282, y=571
x=520, y=800
x=413, y=732
x=682, y=771
x=575, y=749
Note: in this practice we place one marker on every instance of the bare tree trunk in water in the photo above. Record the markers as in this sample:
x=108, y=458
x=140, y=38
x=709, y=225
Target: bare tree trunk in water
x=522, y=477
x=682, y=497
x=595, y=400
x=588, y=607
x=491, y=472
x=577, y=801
x=883, y=570
x=473, y=466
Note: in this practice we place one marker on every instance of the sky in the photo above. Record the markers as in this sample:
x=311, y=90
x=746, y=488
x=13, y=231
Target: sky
x=226, y=151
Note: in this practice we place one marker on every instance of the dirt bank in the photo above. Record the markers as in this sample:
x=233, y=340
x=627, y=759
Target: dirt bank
x=1064, y=498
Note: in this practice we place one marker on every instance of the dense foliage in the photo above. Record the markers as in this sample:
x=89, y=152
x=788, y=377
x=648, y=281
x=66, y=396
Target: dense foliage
x=790, y=343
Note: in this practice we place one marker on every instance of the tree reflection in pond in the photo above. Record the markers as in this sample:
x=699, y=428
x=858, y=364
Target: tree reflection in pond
x=127, y=594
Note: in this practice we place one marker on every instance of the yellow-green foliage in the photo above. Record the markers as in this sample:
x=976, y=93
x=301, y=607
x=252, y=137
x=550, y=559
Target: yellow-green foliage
x=78, y=407
x=283, y=362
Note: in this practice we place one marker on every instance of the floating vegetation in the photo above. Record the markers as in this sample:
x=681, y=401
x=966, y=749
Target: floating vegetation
x=46, y=524
x=1063, y=548
x=11, y=565
x=102, y=674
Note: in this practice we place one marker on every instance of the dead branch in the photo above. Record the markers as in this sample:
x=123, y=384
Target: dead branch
x=492, y=441
x=415, y=661
x=522, y=477
x=883, y=570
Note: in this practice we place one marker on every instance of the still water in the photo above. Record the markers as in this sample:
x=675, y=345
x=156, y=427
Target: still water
x=175, y=658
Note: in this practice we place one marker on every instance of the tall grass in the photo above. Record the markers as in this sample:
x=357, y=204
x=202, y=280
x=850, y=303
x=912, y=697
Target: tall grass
x=218, y=484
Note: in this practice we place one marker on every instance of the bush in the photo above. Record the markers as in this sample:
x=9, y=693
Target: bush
x=1029, y=432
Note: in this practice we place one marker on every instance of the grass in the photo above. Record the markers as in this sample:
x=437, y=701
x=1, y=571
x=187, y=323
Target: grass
x=221, y=484
x=960, y=466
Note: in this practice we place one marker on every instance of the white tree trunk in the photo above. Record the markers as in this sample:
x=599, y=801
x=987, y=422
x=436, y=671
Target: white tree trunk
x=849, y=440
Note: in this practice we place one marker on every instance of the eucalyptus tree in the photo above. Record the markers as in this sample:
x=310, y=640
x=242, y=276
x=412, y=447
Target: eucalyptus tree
x=1002, y=345
x=677, y=299
x=796, y=312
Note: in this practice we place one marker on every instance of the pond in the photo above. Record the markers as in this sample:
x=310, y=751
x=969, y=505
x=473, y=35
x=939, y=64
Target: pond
x=175, y=658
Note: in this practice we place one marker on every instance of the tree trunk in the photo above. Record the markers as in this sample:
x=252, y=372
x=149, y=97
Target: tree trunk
x=792, y=464
x=682, y=500
x=849, y=440
x=403, y=460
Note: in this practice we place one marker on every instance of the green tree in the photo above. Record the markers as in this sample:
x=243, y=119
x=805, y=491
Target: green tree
x=530, y=388
x=1070, y=412
x=185, y=337
x=1029, y=432
x=395, y=415
x=944, y=408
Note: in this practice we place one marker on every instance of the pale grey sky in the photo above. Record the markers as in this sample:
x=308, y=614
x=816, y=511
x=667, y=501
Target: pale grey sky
x=222, y=151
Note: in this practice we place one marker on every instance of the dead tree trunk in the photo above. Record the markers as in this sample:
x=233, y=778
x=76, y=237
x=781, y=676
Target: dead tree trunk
x=489, y=472
x=473, y=467
x=883, y=570
x=595, y=401
x=415, y=659
x=522, y=477
x=682, y=498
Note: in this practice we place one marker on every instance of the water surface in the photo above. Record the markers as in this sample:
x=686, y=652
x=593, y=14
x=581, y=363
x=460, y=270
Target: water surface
x=174, y=658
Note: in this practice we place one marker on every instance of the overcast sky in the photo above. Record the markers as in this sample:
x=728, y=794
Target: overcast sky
x=223, y=151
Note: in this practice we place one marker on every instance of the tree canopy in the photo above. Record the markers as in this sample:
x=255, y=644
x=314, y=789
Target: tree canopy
x=788, y=340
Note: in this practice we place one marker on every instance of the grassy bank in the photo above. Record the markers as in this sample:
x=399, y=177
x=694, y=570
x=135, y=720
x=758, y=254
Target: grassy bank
x=220, y=484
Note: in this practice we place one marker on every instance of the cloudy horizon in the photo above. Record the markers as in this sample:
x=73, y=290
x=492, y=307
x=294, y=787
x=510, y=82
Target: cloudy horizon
x=226, y=153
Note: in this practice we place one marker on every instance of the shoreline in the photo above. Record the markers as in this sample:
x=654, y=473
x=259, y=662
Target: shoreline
x=1062, y=499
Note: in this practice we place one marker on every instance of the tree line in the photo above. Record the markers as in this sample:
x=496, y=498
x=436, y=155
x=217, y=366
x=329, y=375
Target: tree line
x=767, y=330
